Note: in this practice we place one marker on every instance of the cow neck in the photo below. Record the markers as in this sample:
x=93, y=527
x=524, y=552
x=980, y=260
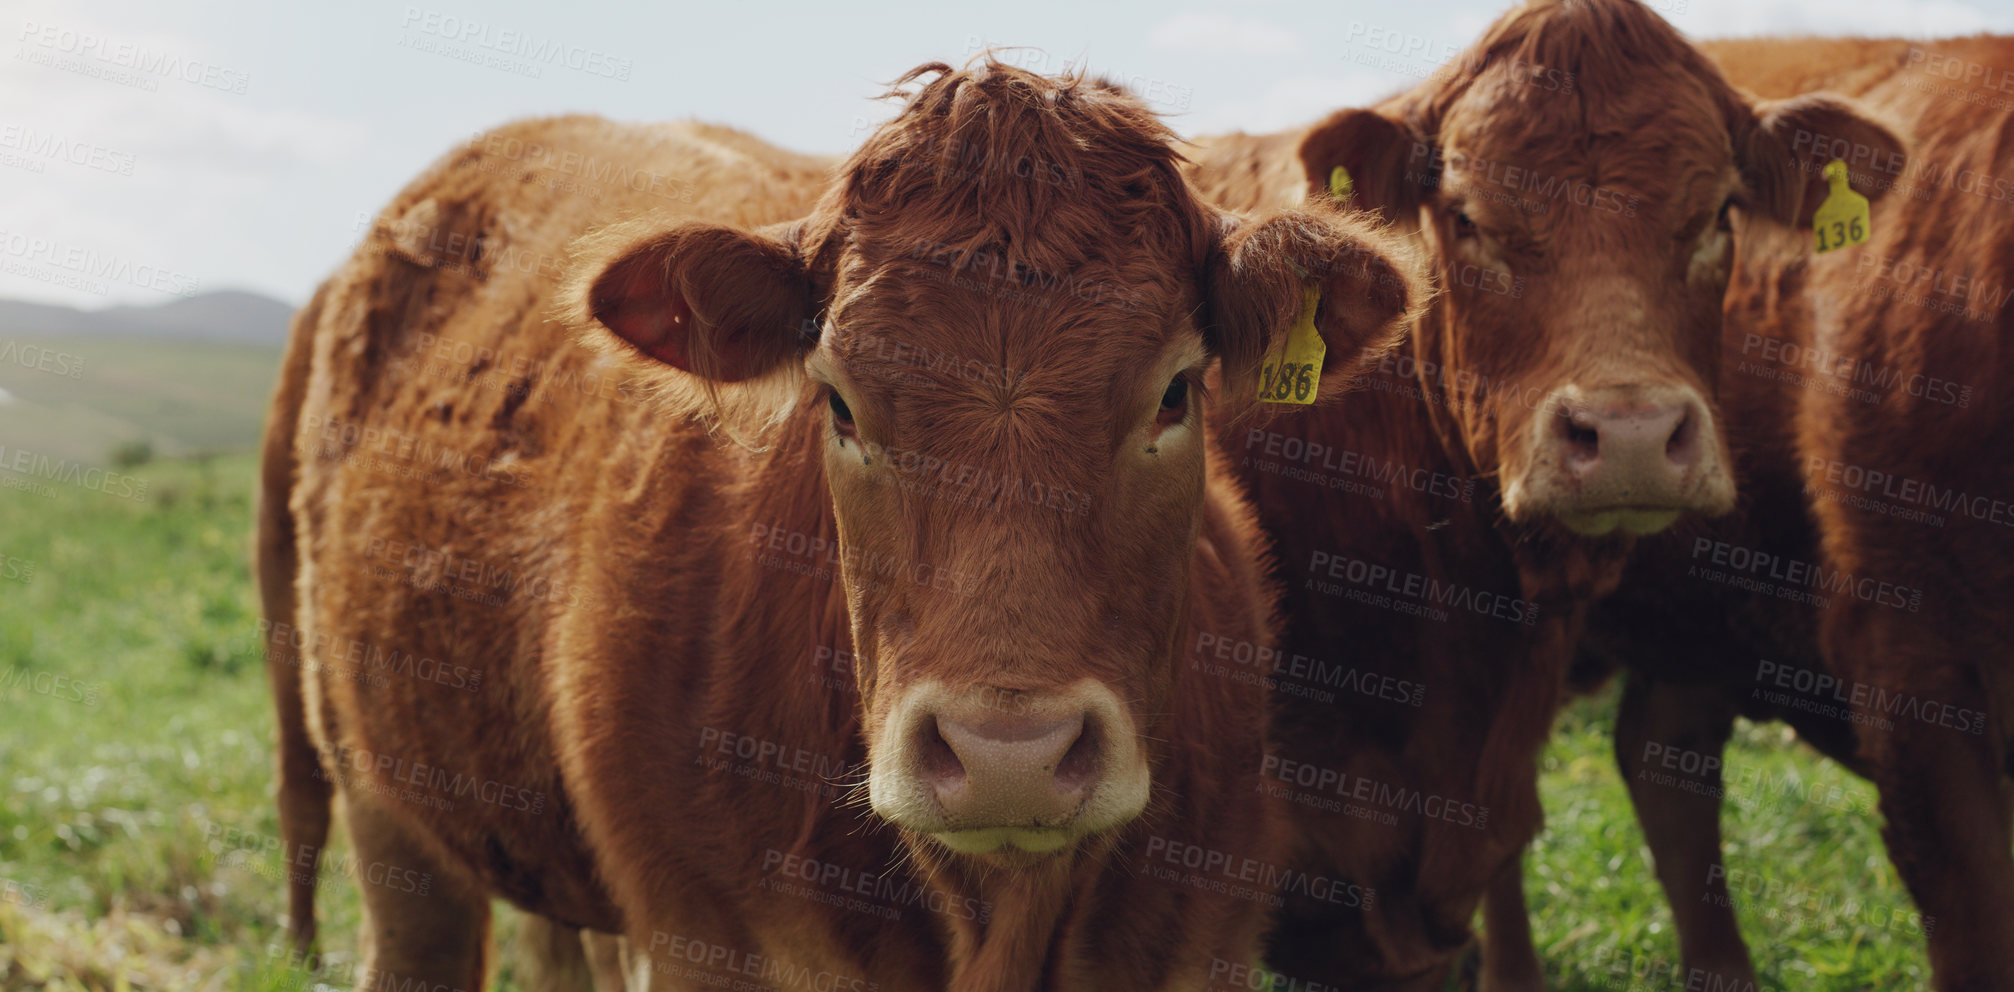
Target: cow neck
x=785, y=488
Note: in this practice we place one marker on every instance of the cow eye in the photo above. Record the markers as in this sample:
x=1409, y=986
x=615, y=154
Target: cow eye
x=842, y=416
x=1464, y=227
x=1726, y=208
x=1174, y=401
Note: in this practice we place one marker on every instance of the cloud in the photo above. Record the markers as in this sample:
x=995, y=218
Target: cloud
x=1291, y=101
x=1221, y=34
x=1863, y=18
x=165, y=189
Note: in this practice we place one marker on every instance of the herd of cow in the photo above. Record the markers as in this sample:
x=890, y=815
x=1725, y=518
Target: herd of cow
x=1038, y=553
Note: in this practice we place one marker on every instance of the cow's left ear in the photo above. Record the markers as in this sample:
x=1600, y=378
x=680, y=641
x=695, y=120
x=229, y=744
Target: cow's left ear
x=1370, y=282
x=1784, y=157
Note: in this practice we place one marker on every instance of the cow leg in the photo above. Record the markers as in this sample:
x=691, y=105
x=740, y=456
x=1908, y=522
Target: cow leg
x=1510, y=960
x=616, y=968
x=306, y=798
x=1682, y=825
x=552, y=957
x=436, y=937
x=1943, y=794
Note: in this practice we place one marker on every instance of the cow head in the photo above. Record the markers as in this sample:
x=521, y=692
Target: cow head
x=1579, y=175
x=994, y=332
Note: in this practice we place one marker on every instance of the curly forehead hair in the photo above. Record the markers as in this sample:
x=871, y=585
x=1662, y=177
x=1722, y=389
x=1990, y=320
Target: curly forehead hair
x=1053, y=171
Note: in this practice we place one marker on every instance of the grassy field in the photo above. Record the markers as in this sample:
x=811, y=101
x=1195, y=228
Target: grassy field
x=135, y=773
x=78, y=397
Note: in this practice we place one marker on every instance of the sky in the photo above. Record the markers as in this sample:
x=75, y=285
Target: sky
x=162, y=148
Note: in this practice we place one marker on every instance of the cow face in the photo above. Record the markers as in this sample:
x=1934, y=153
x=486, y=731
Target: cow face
x=1005, y=373
x=1579, y=176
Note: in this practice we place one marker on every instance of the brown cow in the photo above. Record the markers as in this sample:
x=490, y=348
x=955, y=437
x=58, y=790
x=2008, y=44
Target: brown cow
x=973, y=533
x=1576, y=175
x=1860, y=594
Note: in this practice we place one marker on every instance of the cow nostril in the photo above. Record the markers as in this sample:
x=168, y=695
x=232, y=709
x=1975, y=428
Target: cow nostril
x=936, y=760
x=1079, y=766
x=1585, y=440
x=1582, y=437
x=1683, y=446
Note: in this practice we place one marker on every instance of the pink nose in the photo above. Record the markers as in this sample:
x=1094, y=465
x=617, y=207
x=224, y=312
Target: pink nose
x=1007, y=769
x=1630, y=450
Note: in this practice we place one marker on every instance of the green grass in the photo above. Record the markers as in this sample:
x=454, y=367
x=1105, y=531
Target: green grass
x=121, y=812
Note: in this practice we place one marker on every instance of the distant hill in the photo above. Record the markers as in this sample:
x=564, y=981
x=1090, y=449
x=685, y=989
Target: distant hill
x=226, y=317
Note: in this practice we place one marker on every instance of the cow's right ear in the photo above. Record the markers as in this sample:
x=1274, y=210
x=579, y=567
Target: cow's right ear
x=1390, y=168
x=722, y=304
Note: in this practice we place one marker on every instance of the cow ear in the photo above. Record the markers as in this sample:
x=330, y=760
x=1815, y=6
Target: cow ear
x=722, y=304
x=1370, y=282
x=1389, y=168
x=1783, y=163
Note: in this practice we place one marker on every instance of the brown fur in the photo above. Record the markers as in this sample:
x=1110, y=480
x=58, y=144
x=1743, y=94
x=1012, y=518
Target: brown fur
x=1605, y=297
x=1695, y=649
x=640, y=616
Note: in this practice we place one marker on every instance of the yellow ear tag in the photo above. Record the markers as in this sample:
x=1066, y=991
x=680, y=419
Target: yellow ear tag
x=1340, y=185
x=1842, y=220
x=1294, y=368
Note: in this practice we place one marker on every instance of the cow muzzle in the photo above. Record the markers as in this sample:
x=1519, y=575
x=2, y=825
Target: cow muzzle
x=986, y=769
x=1623, y=458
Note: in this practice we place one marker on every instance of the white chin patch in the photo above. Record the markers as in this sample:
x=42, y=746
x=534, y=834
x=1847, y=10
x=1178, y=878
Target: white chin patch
x=1034, y=840
x=1628, y=520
